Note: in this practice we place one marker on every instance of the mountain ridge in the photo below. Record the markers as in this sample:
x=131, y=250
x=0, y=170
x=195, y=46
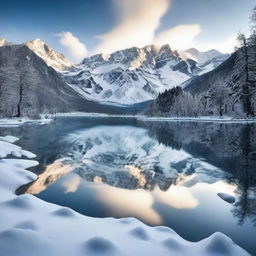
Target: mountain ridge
x=49, y=55
x=133, y=75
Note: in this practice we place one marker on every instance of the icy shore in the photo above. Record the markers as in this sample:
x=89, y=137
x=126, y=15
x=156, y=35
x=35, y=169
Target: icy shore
x=15, y=122
x=30, y=226
x=226, y=119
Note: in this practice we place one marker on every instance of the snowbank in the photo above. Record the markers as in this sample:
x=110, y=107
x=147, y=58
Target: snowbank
x=30, y=226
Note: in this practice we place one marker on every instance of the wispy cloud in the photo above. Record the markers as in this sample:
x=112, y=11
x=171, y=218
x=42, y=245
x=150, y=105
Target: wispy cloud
x=179, y=37
x=138, y=23
x=77, y=49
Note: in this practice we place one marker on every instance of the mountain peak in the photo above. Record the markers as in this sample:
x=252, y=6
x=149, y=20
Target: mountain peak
x=203, y=58
x=52, y=58
x=166, y=51
x=166, y=48
x=37, y=40
x=192, y=51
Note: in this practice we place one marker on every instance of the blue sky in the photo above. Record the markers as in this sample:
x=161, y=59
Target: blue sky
x=108, y=25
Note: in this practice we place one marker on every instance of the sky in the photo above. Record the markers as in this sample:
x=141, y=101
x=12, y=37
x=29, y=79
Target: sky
x=81, y=28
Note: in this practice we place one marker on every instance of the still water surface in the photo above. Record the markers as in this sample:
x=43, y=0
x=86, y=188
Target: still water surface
x=163, y=173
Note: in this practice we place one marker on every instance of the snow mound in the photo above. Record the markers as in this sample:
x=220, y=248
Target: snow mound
x=8, y=138
x=172, y=245
x=9, y=149
x=64, y=212
x=30, y=226
x=219, y=244
x=100, y=246
x=20, y=242
x=140, y=233
x=22, y=203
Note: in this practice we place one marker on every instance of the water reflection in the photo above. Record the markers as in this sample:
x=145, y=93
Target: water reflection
x=231, y=147
x=160, y=172
x=71, y=185
x=178, y=197
x=123, y=202
x=51, y=174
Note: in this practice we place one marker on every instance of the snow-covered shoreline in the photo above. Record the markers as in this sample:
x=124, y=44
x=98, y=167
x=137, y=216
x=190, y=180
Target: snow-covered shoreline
x=18, y=121
x=15, y=122
x=30, y=226
x=224, y=119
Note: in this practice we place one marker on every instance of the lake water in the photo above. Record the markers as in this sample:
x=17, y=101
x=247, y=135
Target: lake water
x=163, y=173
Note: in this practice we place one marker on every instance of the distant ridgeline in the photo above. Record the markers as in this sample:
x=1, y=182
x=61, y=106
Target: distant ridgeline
x=230, y=89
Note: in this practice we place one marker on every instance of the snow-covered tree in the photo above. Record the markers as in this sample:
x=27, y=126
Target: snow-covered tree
x=164, y=102
x=219, y=98
x=186, y=105
x=241, y=82
x=253, y=26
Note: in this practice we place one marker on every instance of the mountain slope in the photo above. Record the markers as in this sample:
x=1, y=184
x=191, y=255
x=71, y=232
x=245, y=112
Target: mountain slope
x=132, y=75
x=221, y=74
x=29, y=87
x=208, y=60
x=51, y=57
x=229, y=90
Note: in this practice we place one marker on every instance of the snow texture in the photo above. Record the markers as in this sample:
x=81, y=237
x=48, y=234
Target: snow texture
x=137, y=74
x=51, y=58
x=41, y=228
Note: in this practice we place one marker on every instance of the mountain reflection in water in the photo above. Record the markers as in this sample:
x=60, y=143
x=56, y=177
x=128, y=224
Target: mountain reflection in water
x=164, y=173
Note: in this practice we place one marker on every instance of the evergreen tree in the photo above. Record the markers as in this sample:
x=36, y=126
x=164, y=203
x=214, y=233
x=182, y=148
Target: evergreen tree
x=243, y=58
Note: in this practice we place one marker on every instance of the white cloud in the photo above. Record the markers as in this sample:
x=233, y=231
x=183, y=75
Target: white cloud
x=225, y=46
x=77, y=49
x=139, y=21
x=180, y=37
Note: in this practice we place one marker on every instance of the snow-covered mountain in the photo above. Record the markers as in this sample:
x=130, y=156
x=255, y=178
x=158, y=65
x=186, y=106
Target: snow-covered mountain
x=28, y=87
x=208, y=60
x=51, y=57
x=136, y=74
x=229, y=90
x=128, y=76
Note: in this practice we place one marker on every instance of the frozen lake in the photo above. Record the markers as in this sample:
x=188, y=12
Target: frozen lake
x=163, y=173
